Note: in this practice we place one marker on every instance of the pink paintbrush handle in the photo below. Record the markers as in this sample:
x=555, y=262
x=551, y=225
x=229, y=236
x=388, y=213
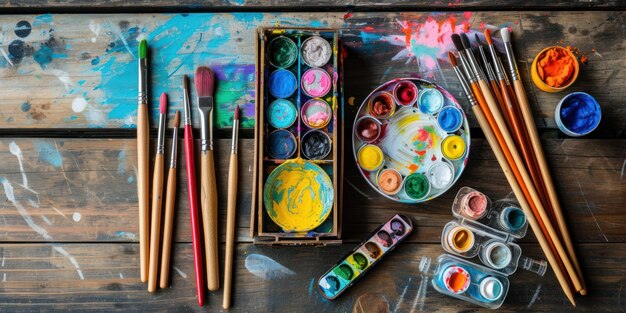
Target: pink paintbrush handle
x=193, y=208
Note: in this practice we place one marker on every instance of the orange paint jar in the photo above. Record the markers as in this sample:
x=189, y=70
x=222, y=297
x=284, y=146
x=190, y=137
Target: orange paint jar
x=554, y=69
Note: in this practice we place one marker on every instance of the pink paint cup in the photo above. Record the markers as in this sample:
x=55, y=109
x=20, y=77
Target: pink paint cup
x=316, y=82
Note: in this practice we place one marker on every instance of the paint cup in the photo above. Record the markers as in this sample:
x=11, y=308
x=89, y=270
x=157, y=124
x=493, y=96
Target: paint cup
x=453, y=147
x=512, y=218
x=539, y=75
x=460, y=239
x=474, y=205
x=496, y=254
x=390, y=181
x=405, y=93
x=490, y=288
x=441, y=175
x=283, y=52
x=456, y=279
x=282, y=83
x=344, y=271
x=316, y=83
x=368, y=128
x=417, y=186
x=316, y=113
x=316, y=51
x=384, y=238
x=370, y=157
x=381, y=105
x=397, y=228
x=281, y=113
x=281, y=144
x=430, y=101
x=577, y=114
x=330, y=283
x=315, y=145
x=358, y=261
x=373, y=250
x=450, y=119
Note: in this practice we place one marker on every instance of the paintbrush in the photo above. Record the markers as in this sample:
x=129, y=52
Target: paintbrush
x=205, y=83
x=231, y=210
x=143, y=137
x=529, y=122
x=491, y=77
x=193, y=200
x=170, y=200
x=157, y=192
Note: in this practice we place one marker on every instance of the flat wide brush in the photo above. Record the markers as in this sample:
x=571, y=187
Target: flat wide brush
x=143, y=136
x=170, y=202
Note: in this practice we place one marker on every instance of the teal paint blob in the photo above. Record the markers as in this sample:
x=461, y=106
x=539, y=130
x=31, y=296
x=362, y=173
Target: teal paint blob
x=282, y=83
x=580, y=113
x=450, y=119
x=430, y=100
x=513, y=218
x=281, y=144
x=281, y=113
x=26, y=107
x=49, y=153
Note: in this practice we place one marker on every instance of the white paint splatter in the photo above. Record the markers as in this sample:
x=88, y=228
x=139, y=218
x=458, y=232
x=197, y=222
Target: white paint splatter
x=63, y=76
x=266, y=268
x=76, y=217
x=535, y=297
x=33, y=203
x=121, y=276
x=4, y=277
x=119, y=34
x=402, y=296
x=6, y=56
x=16, y=151
x=60, y=213
x=3, y=258
x=45, y=219
x=181, y=273
x=95, y=29
x=79, y=104
x=72, y=260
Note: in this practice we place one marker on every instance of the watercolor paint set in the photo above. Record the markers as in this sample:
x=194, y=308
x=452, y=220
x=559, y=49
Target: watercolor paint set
x=362, y=258
x=298, y=136
x=410, y=140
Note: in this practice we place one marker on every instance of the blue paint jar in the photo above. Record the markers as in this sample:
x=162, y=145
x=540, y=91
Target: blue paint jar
x=450, y=119
x=577, y=114
x=282, y=83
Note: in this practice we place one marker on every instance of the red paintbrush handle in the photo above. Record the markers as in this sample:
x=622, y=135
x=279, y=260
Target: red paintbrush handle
x=193, y=208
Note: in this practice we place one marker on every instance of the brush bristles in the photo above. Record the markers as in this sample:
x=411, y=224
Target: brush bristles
x=506, y=35
x=465, y=41
x=456, y=40
x=163, y=103
x=185, y=83
x=204, y=81
x=236, y=116
x=488, y=36
x=452, y=59
x=477, y=39
x=176, y=119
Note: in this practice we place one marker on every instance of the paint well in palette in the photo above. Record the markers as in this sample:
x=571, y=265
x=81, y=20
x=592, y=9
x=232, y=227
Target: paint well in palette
x=497, y=254
x=316, y=51
x=405, y=93
x=441, y=175
x=382, y=105
x=315, y=145
x=491, y=288
x=474, y=205
x=316, y=113
x=368, y=129
x=456, y=279
x=512, y=218
x=358, y=261
x=453, y=147
x=416, y=186
x=460, y=239
x=430, y=100
x=373, y=250
x=390, y=181
x=450, y=119
x=316, y=82
x=281, y=113
x=282, y=83
x=370, y=157
x=283, y=52
x=281, y=144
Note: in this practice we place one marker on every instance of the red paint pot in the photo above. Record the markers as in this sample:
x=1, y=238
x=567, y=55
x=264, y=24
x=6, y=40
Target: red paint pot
x=368, y=129
x=405, y=93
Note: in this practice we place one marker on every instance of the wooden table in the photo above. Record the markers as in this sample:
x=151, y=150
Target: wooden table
x=68, y=215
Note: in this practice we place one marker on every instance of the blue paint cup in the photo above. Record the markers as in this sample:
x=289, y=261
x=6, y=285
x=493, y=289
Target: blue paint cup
x=430, y=100
x=282, y=83
x=450, y=119
x=281, y=113
x=281, y=144
x=577, y=114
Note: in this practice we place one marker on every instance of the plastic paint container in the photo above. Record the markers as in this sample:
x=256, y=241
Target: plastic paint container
x=512, y=218
x=417, y=186
x=453, y=147
x=282, y=84
x=358, y=261
x=460, y=239
x=456, y=279
x=370, y=157
x=381, y=105
x=368, y=128
x=283, y=52
x=316, y=82
x=316, y=51
x=490, y=288
x=405, y=93
x=474, y=205
x=281, y=144
x=497, y=254
x=450, y=119
x=441, y=175
x=572, y=68
x=430, y=100
x=577, y=114
x=390, y=181
x=384, y=238
x=316, y=113
x=373, y=250
x=281, y=113
x=315, y=145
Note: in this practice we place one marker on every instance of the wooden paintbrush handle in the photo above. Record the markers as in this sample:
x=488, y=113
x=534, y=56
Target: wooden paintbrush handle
x=170, y=200
x=155, y=222
x=142, y=188
x=230, y=229
x=208, y=197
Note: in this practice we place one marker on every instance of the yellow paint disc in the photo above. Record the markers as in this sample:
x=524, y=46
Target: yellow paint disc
x=370, y=157
x=453, y=147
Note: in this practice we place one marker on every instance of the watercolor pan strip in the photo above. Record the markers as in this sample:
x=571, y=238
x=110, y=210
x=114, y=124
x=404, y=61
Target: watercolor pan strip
x=298, y=131
x=352, y=267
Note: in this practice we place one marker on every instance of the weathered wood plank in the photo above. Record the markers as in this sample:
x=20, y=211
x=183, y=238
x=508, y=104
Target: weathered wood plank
x=39, y=276
x=85, y=190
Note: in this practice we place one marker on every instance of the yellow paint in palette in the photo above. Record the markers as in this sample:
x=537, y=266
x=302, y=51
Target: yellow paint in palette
x=370, y=157
x=453, y=147
x=298, y=195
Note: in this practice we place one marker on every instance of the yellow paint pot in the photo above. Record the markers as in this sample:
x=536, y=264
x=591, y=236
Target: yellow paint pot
x=370, y=157
x=460, y=239
x=536, y=78
x=453, y=147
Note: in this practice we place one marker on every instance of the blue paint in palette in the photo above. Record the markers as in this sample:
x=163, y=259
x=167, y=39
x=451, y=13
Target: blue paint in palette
x=282, y=83
x=281, y=113
x=450, y=119
x=430, y=100
x=281, y=144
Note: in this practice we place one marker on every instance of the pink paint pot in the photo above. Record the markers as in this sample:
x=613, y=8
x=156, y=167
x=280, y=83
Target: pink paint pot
x=405, y=93
x=368, y=129
x=316, y=113
x=474, y=205
x=382, y=105
x=316, y=83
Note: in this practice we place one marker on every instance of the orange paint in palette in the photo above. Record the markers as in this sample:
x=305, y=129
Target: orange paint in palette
x=345, y=273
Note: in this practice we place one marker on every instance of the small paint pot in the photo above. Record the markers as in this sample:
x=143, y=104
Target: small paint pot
x=368, y=128
x=417, y=186
x=316, y=113
x=557, y=77
x=474, y=205
x=456, y=279
x=316, y=51
x=384, y=238
x=497, y=254
x=281, y=144
x=373, y=250
x=577, y=114
x=430, y=101
x=344, y=271
x=370, y=157
x=453, y=147
x=282, y=83
x=441, y=175
x=331, y=283
x=450, y=119
x=397, y=228
x=281, y=113
x=460, y=239
x=491, y=288
x=315, y=145
x=390, y=181
x=282, y=52
x=405, y=93
x=316, y=83
x=512, y=218
x=381, y=105
x=358, y=261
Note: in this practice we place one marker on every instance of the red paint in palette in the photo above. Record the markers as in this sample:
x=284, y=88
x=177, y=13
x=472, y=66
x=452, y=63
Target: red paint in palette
x=405, y=93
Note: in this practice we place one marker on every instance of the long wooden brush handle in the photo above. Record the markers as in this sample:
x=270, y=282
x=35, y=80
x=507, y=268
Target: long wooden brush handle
x=545, y=174
x=142, y=188
x=155, y=222
x=484, y=125
x=209, y=218
x=230, y=229
x=168, y=224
